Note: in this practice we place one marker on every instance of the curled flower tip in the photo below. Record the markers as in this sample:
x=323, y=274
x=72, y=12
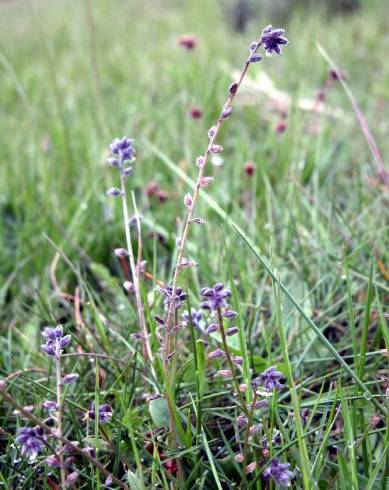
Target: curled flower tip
x=121, y=252
x=65, y=341
x=114, y=192
x=232, y=331
x=70, y=378
x=279, y=472
x=71, y=479
x=251, y=467
x=272, y=40
x=216, y=149
x=216, y=354
x=188, y=200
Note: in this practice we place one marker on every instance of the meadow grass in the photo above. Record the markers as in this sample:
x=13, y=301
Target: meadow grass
x=302, y=244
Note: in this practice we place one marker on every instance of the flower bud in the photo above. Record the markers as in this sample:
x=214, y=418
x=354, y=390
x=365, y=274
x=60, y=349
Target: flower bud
x=121, y=252
x=231, y=331
x=255, y=57
x=216, y=354
x=233, y=88
x=113, y=162
x=216, y=149
x=188, y=200
x=212, y=328
x=114, y=192
x=70, y=379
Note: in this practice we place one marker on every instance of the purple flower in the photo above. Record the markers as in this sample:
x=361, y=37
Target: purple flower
x=123, y=149
x=105, y=413
x=31, y=441
x=215, y=297
x=168, y=293
x=269, y=379
x=272, y=40
x=279, y=472
x=55, y=341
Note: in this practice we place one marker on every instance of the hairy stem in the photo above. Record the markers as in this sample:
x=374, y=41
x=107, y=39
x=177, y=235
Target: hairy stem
x=191, y=208
x=231, y=362
x=59, y=420
x=246, y=439
x=147, y=353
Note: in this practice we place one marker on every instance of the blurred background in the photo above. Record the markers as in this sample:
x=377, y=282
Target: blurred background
x=75, y=74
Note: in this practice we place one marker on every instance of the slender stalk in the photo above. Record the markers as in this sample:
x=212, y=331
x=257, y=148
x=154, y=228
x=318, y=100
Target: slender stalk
x=147, y=353
x=191, y=208
x=246, y=438
x=59, y=420
x=231, y=363
x=166, y=348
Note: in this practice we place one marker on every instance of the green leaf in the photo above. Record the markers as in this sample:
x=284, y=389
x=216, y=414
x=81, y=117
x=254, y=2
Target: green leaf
x=159, y=412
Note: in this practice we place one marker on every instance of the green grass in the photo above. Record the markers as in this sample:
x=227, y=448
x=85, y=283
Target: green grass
x=303, y=243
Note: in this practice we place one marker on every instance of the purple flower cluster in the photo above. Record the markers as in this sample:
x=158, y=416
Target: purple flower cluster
x=215, y=298
x=104, y=411
x=32, y=441
x=55, y=341
x=123, y=152
x=269, y=379
x=279, y=472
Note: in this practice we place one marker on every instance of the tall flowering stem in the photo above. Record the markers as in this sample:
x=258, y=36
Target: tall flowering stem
x=122, y=153
x=56, y=341
x=271, y=40
x=231, y=364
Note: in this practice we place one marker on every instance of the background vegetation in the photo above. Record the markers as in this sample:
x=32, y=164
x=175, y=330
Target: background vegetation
x=76, y=74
